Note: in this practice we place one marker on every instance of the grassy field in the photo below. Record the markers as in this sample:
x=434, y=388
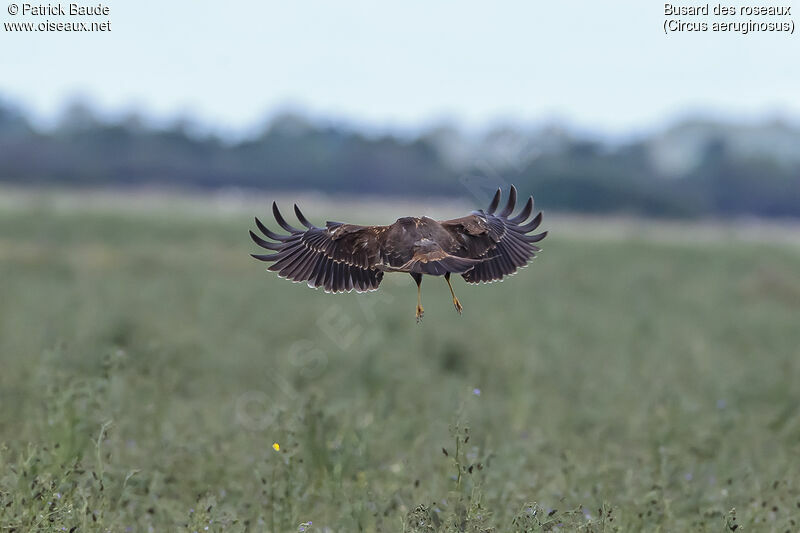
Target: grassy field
x=150, y=369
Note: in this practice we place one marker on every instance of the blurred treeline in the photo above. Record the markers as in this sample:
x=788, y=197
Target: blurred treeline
x=695, y=168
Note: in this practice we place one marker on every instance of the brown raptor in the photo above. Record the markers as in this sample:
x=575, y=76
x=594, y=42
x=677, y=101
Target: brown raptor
x=483, y=246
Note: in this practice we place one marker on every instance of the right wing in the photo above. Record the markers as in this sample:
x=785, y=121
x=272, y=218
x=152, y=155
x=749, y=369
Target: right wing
x=502, y=242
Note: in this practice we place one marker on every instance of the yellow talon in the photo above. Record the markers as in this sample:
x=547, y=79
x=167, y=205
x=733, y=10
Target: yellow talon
x=456, y=303
x=420, y=310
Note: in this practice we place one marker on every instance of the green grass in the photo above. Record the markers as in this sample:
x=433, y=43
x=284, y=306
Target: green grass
x=148, y=366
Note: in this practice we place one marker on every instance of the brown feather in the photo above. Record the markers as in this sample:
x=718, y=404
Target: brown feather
x=505, y=244
x=482, y=247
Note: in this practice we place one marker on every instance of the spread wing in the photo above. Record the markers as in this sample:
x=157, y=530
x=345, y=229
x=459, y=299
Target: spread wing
x=339, y=257
x=503, y=242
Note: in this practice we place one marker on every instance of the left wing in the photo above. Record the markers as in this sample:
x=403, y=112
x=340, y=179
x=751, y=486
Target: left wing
x=503, y=242
x=339, y=257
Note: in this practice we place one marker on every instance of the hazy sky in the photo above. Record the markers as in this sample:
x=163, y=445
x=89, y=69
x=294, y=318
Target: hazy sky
x=605, y=66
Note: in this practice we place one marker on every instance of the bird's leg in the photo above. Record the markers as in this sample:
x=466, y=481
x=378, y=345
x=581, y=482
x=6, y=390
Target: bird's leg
x=420, y=310
x=455, y=300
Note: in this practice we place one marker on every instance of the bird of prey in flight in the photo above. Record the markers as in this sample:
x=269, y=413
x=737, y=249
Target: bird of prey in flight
x=483, y=246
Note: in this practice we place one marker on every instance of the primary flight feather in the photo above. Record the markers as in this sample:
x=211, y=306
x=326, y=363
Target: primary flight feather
x=483, y=246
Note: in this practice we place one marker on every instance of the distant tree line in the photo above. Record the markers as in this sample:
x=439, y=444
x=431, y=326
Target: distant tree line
x=292, y=153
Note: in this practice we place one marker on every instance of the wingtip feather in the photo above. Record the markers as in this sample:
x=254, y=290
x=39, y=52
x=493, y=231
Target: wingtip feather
x=303, y=220
x=512, y=202
x=523, y=215
x=495, y=202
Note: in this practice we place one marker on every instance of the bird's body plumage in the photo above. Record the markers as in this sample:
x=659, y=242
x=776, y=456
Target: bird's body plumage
x=481, y=247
